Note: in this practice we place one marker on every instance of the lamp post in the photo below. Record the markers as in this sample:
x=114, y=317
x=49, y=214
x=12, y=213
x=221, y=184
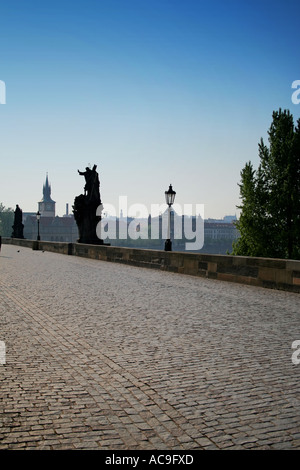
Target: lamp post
x=170, y=197
x=38, y=216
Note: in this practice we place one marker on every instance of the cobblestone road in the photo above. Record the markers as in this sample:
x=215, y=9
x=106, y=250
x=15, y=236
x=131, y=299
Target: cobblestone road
x=106, y=356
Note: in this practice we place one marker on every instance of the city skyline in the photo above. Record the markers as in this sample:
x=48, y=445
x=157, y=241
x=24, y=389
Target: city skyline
x=135, y=210
x=153, y=93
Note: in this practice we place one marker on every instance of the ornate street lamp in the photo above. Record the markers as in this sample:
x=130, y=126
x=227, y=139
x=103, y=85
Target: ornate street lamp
x=38, y=216
x=170, y=197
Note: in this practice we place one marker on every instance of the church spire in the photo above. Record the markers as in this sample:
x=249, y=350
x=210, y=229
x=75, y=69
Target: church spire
x=47, y=190
x=47, y=205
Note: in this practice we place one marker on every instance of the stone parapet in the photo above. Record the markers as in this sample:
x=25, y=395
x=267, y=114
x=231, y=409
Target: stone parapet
x=262, y=272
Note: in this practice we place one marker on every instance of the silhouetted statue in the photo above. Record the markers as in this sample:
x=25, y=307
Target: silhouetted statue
x=92, y=184
x=85, y=207
x=18, y=225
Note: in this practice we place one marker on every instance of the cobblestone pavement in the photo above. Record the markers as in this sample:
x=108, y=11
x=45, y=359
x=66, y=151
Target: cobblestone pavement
x=106, y=356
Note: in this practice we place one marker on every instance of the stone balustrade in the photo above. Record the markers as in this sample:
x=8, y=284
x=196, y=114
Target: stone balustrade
x=263, y=272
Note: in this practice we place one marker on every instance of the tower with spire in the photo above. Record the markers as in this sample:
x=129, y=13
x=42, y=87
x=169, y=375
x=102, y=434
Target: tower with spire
x=47, y=205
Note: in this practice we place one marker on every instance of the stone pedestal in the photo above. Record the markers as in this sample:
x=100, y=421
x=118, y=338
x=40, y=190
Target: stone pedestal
x=87, y=220
x=85, y=208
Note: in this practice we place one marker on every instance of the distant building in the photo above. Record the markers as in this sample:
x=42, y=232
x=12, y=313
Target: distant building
x=28, y=214
x=227, y=219
x=47, y=205
x=52, y=228
x=220, y=231
x=219, y=235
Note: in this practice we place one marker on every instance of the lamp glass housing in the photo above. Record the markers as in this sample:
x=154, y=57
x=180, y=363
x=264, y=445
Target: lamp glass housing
x=170, y=195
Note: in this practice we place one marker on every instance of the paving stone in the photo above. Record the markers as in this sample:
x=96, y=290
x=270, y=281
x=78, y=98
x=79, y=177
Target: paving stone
x=107, y=356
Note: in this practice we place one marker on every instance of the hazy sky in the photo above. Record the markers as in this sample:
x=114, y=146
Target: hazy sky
x=152, y=91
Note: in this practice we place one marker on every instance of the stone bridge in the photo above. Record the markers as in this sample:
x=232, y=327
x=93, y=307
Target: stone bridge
x=101, y=355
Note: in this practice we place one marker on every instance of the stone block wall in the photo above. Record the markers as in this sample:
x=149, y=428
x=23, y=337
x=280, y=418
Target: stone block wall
x=262, y=272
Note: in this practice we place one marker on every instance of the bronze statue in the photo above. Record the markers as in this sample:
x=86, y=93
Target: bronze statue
x=92, y=183
x=18, y=225
x=85, y=207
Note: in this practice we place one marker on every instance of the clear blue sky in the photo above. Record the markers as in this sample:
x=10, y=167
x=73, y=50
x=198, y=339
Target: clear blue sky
x=152, y=91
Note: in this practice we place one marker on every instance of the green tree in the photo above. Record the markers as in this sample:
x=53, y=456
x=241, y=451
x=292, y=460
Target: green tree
x=269, y=223
x=6, y=220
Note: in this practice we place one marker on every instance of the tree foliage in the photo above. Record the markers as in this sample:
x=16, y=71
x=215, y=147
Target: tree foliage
x=269, y=223
x=6, y=220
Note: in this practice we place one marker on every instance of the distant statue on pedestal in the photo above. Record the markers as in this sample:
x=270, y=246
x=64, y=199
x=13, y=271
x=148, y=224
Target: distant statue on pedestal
x=92, y=184
x=18, y=224
x=85, y=208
